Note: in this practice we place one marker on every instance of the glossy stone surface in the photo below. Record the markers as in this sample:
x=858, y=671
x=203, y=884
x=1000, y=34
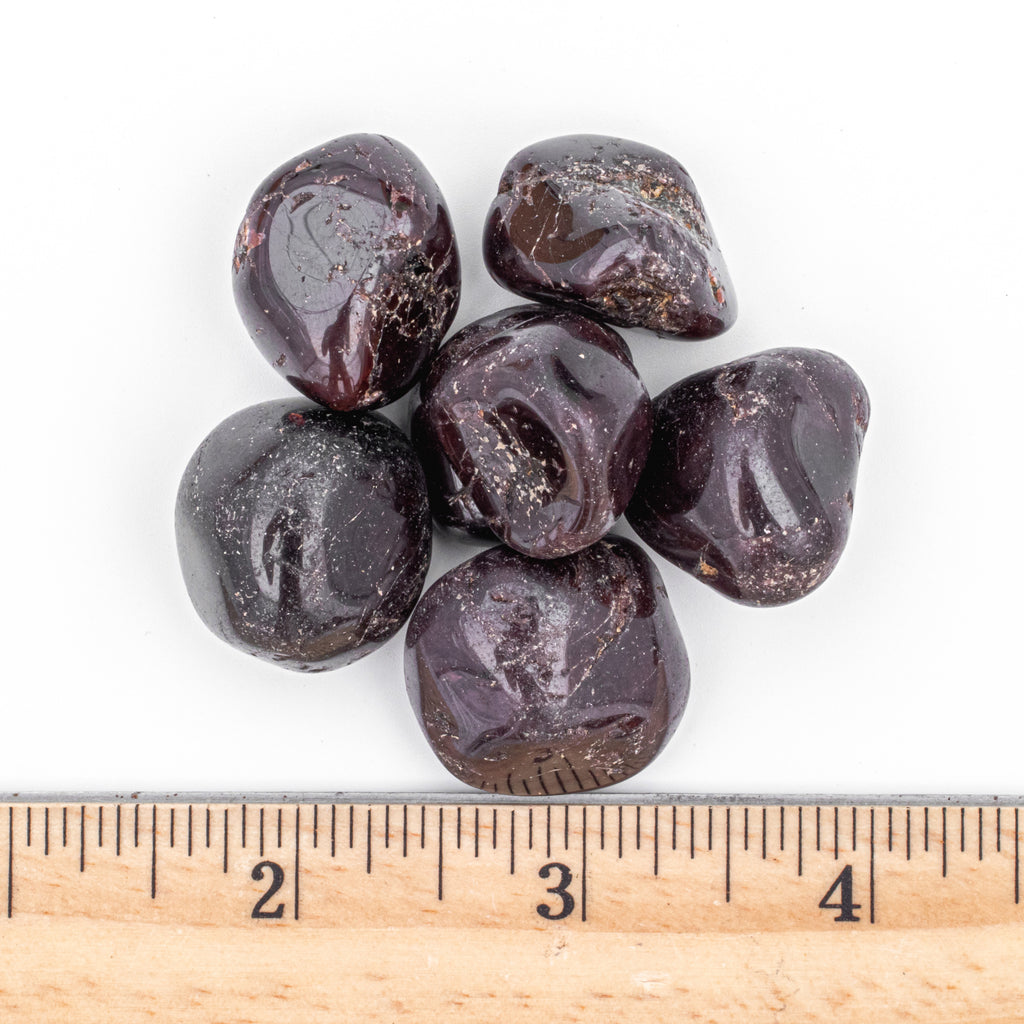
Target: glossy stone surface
x=540, y=424
x=614, y=228
x=303, y=535
x=750, y=479
x=346, y=271
x=552, y=677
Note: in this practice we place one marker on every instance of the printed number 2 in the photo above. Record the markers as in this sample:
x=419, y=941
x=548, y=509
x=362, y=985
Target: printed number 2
x=564, y=880
x=277, y=880
x=845, y=906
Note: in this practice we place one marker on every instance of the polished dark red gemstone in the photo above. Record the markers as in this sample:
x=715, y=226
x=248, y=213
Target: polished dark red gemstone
x=304, y=535
x=534, y=423
x=614, y=228
x=347, y=272
x=547, y=677
x=750, y=479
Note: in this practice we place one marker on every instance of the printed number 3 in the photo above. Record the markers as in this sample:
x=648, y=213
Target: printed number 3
x=564, y=880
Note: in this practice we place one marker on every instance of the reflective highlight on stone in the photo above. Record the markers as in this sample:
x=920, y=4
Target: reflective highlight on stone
x=750, y=480
x=614, y=228
x=303, y=535
x=534, y=423
x=551, y=677
x=346, y=271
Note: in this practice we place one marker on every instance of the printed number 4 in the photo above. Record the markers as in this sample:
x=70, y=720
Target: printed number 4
x=845, y=906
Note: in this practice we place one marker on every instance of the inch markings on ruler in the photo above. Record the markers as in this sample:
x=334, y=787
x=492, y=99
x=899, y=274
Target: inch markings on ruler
x=662, y=886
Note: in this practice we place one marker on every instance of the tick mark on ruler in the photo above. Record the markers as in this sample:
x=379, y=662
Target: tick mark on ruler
x=871, y=875
x=782, y=829
x=926, y=830
x=799, y=841
x=46, y=832
x=620, y=832
x=334, y=823
x=244, y=809
x=208, y=827
x=316, y=825
x=423, y=827
x=817, y=829
x=369, y=840
x=602, y=826
x=189, y=829
x=261, y=832
x=637, y=827
x=494, y=829
x=171, y=835
x=152, y=861
x=728, y=857
x=440, y=853
x=512, y=842
x=28, y=826
x=583, y=873
x=117, y=828
x=710, y=829
x=655, y=838
x=764, y=833
x=387, y=826
x=943, y=843
x=746, y=828
x=981, y=826
x=476, y=831
x=1016, y=855
x=81, y=839
x=963, y=818
x=136, y=827
x=297, y=848
x=10, y=861
x=458, y=828
x=853, y=829
x=529, y=830
x=890, y=830
x=835, y=835
x=280, y=816
x=64, y=829
x=226, y=833
x=692, y=831
x=908, y=833
x=548, y=829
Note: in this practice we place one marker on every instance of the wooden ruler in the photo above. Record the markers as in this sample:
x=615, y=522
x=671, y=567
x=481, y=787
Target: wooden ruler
x=670, y=909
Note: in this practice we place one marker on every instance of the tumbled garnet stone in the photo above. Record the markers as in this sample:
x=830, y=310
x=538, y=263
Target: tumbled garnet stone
x=347, y=271
x=304, y=535
x=534, y=423
x=551, y=677
x=614, y=228
x=750, y=479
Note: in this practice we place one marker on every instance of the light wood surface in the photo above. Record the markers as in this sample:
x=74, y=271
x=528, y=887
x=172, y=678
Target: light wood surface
x=425, y=912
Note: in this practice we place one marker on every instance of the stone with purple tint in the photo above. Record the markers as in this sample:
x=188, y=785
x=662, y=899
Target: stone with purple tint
x=750, y=479
x=613, y=228
x=547, y=677
x=304, y=535
x=347, y=272
x=534, y=423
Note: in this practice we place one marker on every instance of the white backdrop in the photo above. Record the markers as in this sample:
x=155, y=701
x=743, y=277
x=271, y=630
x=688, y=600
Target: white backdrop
x=863, y=171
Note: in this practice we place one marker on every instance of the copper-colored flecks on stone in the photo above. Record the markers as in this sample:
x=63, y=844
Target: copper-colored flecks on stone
x=304, y=535
x=613, y=228
x=547, y=677
x=534, y=424
x=346, y=271
x=750, y=479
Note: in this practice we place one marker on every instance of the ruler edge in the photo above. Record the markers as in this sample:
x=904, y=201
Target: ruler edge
x=627, y=799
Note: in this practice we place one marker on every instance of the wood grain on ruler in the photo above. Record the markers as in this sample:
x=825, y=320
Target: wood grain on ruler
x=377, y=912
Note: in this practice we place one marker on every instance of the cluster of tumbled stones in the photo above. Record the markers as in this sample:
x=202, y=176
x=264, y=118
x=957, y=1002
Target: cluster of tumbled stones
x=551, y=663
